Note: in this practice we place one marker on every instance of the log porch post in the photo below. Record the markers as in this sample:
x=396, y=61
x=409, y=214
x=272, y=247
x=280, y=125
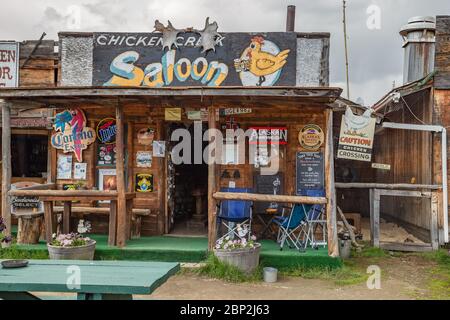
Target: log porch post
x=6, y=164
x=333, y=247
x=211, y=183
x=120, y=175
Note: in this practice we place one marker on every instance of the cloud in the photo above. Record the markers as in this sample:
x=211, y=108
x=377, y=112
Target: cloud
x=375, y=55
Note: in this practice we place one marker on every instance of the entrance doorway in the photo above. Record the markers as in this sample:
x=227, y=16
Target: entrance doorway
x=189, y=205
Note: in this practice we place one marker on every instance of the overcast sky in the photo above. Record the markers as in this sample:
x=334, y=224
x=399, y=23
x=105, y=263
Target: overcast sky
x=375, y=54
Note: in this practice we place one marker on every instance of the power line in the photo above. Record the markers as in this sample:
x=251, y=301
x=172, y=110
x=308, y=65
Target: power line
x=345, y=46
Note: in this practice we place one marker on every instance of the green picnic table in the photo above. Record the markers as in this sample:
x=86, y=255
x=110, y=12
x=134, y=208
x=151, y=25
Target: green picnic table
x=91, y=280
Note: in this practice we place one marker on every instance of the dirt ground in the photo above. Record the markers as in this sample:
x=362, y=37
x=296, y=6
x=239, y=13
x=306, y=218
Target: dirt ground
x=401, y=278
x=389, y=232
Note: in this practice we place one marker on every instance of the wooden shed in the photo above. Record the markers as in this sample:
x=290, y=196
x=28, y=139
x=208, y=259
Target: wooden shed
x=409, y=166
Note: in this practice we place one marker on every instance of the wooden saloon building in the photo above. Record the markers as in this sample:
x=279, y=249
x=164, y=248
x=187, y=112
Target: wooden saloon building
x=118, y=100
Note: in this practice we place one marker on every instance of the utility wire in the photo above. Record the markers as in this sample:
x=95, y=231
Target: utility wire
x=344, y=21
x=413, y=114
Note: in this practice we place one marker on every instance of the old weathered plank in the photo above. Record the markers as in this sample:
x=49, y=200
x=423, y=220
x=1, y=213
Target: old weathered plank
x=112, y=231
x=66, y=216
x=434, y=221
x=376, y=219
x=268, y=198
x=6, y=166
x=333, y=246
x=63, y=193
x=121, y=188
x=212, y=184
x=406, y=247
x=397, y=186
x=48, y=220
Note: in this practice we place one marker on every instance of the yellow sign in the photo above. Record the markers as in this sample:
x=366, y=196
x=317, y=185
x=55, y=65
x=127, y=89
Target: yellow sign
x=172, y=114
x=311, y=137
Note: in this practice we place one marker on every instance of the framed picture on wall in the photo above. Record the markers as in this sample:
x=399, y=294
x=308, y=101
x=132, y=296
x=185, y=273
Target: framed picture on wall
x=107, y=181
x=64, y=166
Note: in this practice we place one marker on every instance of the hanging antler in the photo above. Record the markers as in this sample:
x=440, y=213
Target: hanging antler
x=208, y=36
x=170, y=34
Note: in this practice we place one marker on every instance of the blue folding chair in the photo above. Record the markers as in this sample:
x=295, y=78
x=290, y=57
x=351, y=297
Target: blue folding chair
x=289, y=225
x=235, y=215
x=314, y=220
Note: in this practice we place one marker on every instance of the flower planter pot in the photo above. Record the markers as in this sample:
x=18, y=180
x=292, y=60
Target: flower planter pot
x=85, y=252
x=246, y=259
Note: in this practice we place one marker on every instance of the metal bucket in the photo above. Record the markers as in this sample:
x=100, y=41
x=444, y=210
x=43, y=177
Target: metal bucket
x=270, y=274
x=72, y=253
x=345, y=248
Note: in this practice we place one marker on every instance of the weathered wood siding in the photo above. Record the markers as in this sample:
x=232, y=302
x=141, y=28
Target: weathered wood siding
x=409, y=153
x=39, y=70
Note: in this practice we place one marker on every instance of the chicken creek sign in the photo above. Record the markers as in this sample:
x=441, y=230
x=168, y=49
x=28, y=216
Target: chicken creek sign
x=356, y=137
x=237, y=59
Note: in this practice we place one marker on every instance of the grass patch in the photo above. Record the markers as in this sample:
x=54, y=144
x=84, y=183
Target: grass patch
x=214, y=268
x=14, y=253
x=370, y=252
x=439, y=282
x=348, y=274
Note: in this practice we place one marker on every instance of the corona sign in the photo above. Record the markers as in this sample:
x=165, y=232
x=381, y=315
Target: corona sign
x=72, y=135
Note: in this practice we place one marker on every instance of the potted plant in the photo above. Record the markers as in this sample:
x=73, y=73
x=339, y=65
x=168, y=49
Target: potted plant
x=5, y=240
x=80, y=185
x=239, y=252
x=72, y=246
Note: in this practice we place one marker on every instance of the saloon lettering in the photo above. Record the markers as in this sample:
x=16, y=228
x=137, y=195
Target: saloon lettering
x=162, y=73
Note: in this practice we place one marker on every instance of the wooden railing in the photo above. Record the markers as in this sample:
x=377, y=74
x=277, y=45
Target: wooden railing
x=268, y=198
x=390, y=186
x=26, y=192
x=47, y=186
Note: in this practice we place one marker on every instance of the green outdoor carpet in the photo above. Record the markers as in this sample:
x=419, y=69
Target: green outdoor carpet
x=192, y=249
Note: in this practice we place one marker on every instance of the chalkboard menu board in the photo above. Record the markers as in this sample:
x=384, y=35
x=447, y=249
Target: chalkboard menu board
x=265, y=184
x=310, y=171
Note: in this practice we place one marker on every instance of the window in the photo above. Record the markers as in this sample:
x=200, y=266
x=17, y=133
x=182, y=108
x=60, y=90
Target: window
x=29, y=155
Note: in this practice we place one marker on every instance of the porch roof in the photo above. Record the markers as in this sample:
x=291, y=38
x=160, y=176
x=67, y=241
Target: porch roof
x=35, y=97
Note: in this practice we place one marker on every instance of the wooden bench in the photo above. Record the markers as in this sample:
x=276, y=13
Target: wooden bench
x=136, y=217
